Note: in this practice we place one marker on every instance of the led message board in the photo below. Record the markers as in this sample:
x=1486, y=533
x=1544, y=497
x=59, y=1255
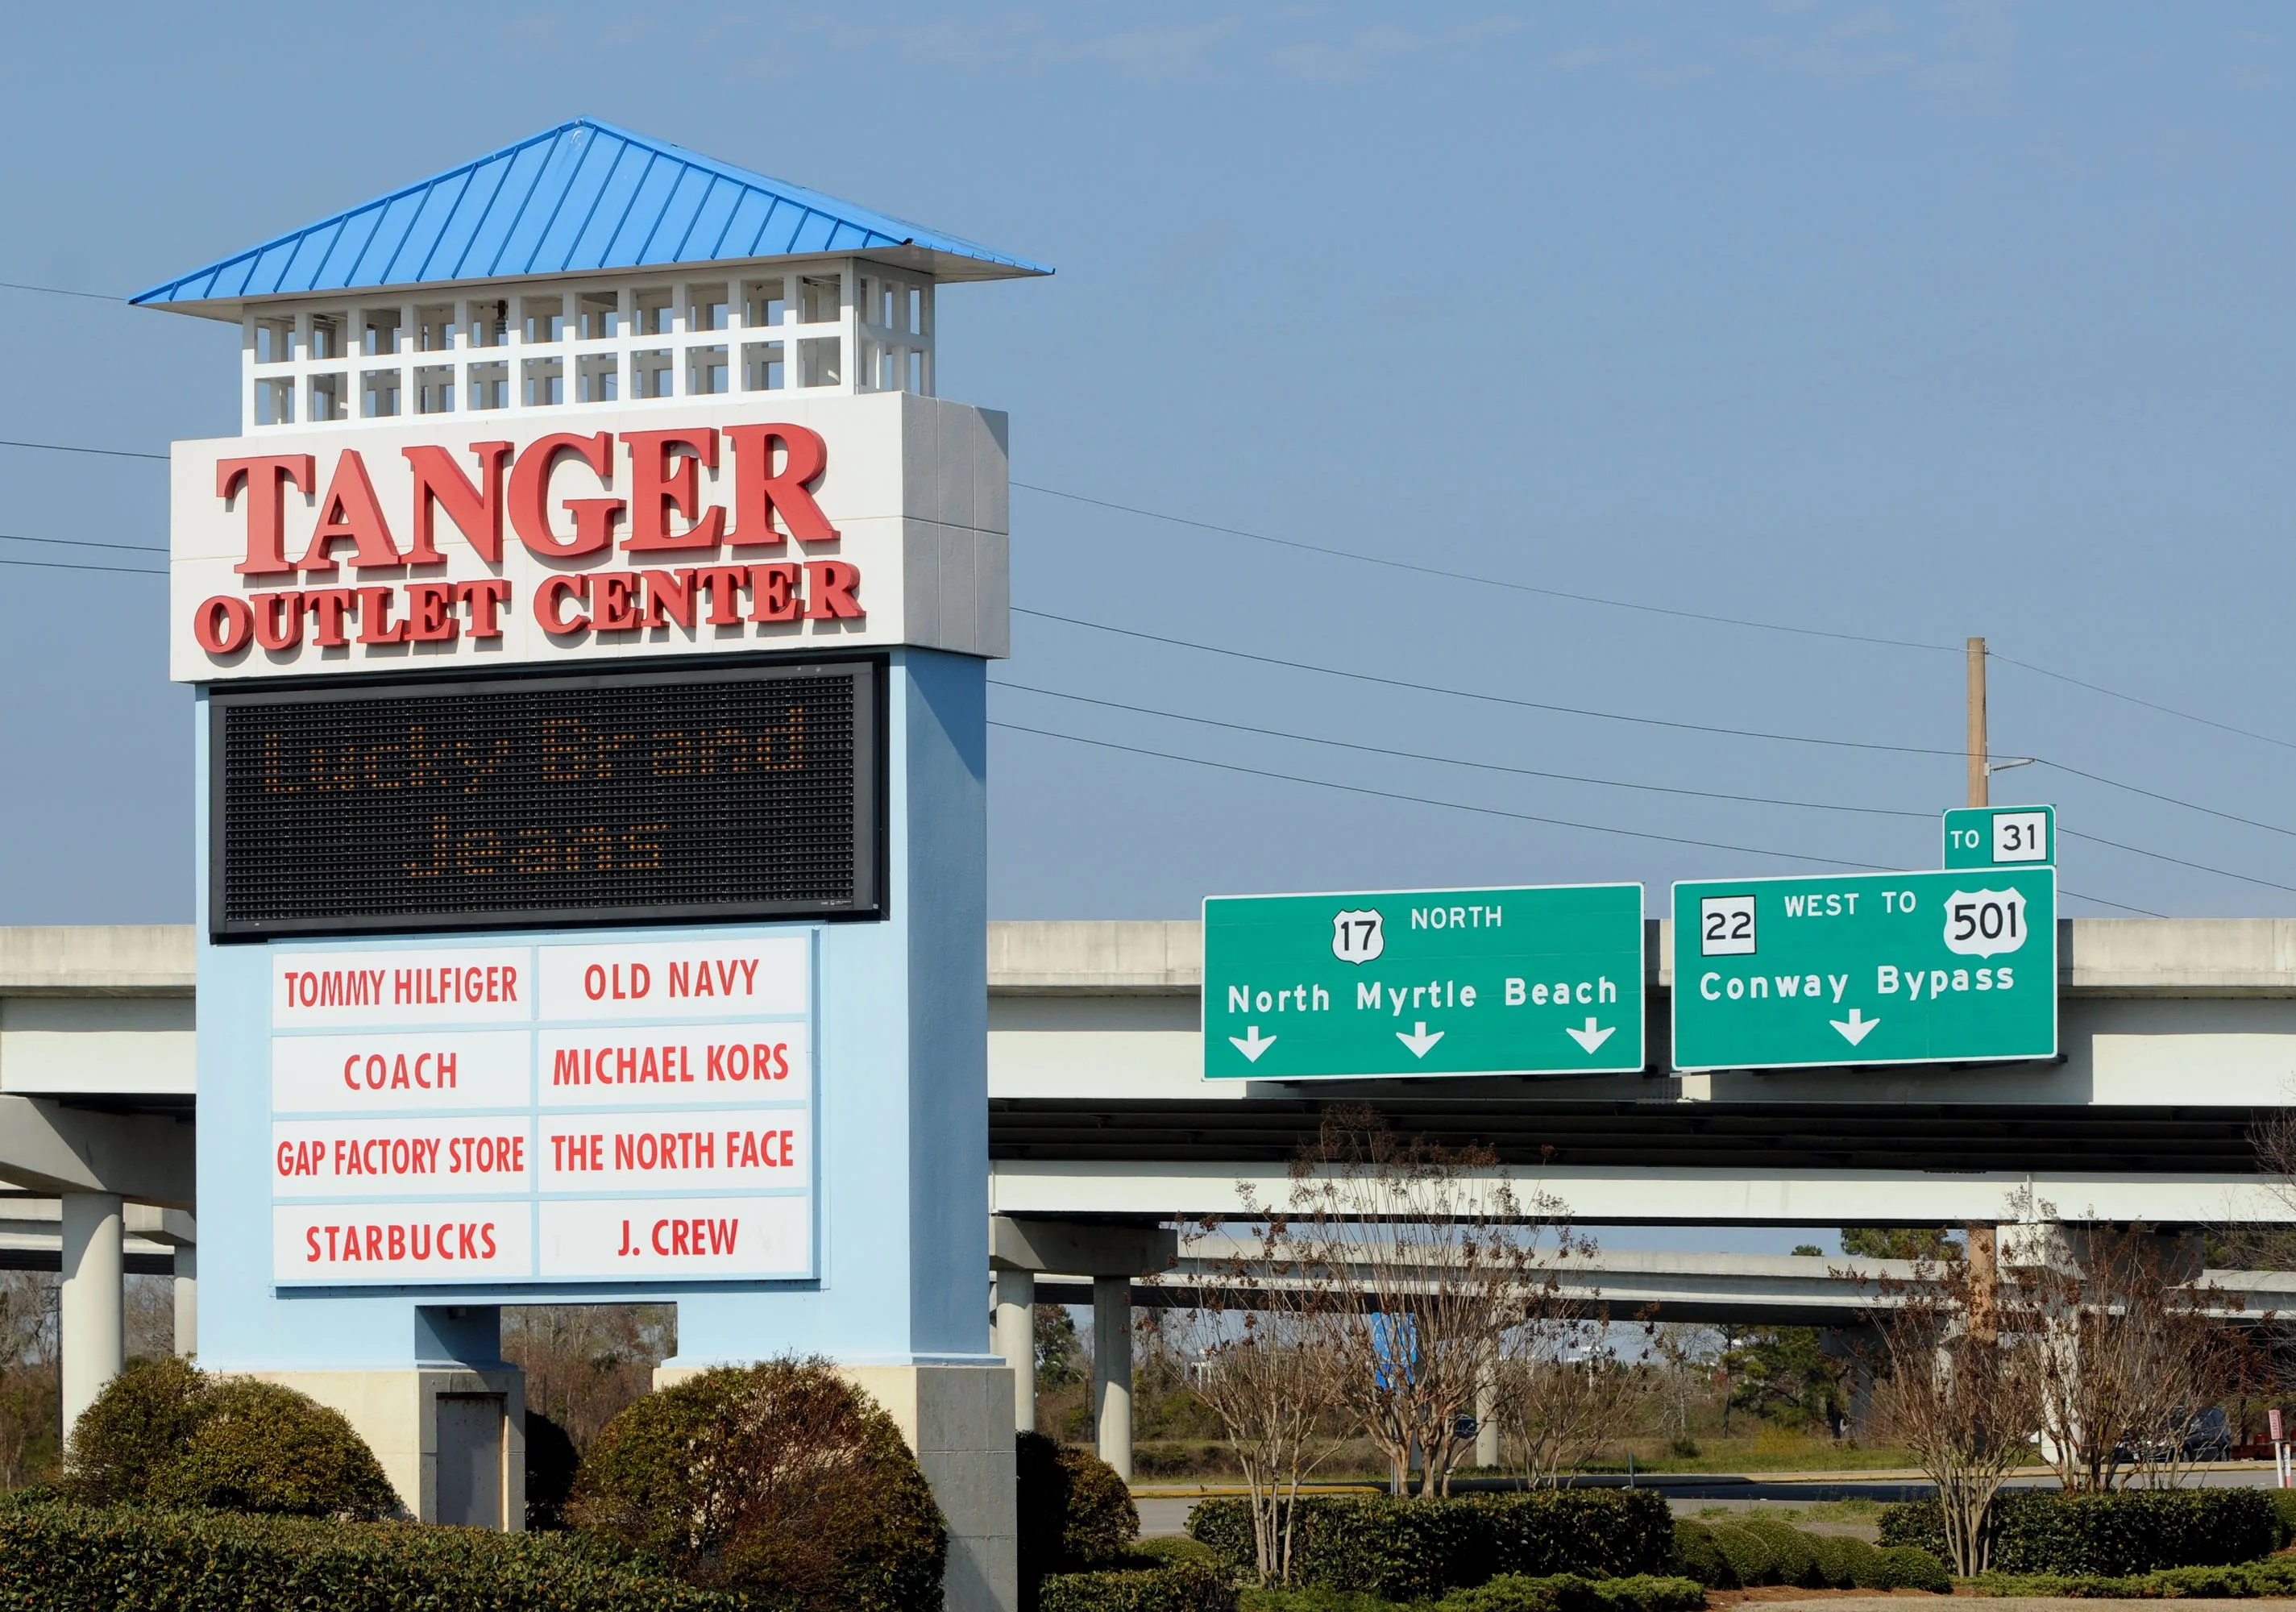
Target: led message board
x=638, y=797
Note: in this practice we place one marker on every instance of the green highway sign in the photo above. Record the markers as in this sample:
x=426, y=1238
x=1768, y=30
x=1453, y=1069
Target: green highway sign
x=2001, y=837
x=1952, y=967
x=1546, y=980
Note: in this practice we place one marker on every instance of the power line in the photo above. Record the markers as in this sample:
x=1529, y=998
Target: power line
x=1407, y=755
x=2167, y=800
x=1469, y=693
x=58, y=291
x=2158, y=856
x=115, y=571
x=1435, y=688
x=11, y=537
x=113, y=453
x=1465, y=576
x=1406, y=565
x=1387, y=794
x=1631, y=605
x=1410, y=755
x=2115, y=694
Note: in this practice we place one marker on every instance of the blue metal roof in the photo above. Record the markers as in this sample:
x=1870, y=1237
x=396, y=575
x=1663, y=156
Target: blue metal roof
x=582, y=196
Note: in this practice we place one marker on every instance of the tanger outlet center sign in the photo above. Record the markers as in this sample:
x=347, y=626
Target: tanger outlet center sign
x=475, y=698
x=441, y=544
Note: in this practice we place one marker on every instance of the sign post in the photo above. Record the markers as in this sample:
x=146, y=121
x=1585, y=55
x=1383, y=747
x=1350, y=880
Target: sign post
x=1545, y=980
x=1948, y=967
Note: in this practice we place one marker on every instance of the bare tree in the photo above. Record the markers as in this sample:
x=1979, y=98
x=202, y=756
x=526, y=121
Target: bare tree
x=1259, y=1340
x=584, y=1362
x=30, y=1436
x=1689, y=1356
x=1965, y=1403
x=1564, y=1391
x=2125, y=1351
x=1440, y=1259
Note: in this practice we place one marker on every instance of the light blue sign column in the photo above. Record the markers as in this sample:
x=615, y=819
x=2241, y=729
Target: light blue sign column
x=901, y=1099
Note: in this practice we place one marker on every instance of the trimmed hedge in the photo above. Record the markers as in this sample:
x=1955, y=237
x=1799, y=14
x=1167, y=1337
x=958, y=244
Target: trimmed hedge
x=1074, y=1514
x=1910, y=1567
x=1763, y=1550
x=1417, y=1550
x=1844, y=1562
x=1793, y=1553
x=1698, y=1556
x=58, y=1557
x=138, y=1424
x=2132, y=1531
x=1176, y=1587
x=1570, y=1592
x=2275, y=1576
x=164, y=1433
x=262, y=1448
x=781, y=1480
x=2284, y=1502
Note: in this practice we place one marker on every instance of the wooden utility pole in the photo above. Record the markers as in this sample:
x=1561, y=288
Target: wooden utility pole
x=1977, y=751
x=1984, y=1241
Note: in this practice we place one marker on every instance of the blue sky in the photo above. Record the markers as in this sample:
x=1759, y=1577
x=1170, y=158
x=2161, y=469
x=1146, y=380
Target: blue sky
x=1892, y=321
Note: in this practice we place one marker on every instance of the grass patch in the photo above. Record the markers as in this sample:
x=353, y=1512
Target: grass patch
x=1815, y=1511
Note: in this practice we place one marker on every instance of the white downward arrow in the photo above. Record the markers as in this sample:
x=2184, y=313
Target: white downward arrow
x=1593, y=1036
x=1419, y=1040
x=1252, y=1043
x=1856, y=1028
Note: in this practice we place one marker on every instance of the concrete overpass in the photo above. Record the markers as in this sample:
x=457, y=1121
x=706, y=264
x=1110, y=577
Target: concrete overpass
x=2177, y=1036
x=1750, y=1289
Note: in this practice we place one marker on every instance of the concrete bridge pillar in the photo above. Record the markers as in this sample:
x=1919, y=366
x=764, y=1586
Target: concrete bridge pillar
x=187, y=1300
x=1111, y=1256
x=1487, y=1420
x=90, y=1329
x=1013, y=1336
x=1111, y=1371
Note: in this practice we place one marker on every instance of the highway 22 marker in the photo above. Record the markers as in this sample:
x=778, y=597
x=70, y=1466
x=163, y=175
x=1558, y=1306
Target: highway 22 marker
x=1951, y=968
x=1386, y=984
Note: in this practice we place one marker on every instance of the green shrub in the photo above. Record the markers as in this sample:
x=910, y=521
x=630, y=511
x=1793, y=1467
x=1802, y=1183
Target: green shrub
x=166, y=1433
x=265, y=1449
x=1178, y=1587
x=1748, y=1553
x=57, y=1557
x=1844, y=1562
x=2273, y=1577
x=135, y=1428
x=1598, y=1533
x=1697, y=1557
x=1253, y=1599
x=1074, y=1512
x=1793, y=1554
x=1170, y=1547
x=779, y=1479
x=2130, y=1532
x=1407, y=1550
x=1909, y=1567
x=2284, y=1506
x=1570, y=1592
